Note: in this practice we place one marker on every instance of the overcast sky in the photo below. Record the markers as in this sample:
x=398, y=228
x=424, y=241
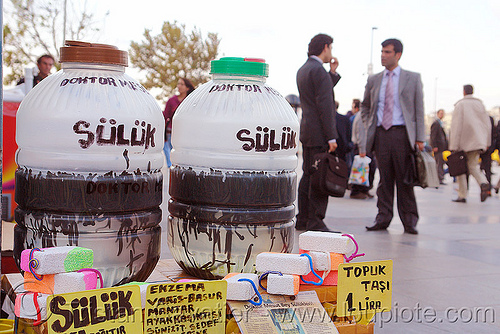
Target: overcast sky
x=450, y=42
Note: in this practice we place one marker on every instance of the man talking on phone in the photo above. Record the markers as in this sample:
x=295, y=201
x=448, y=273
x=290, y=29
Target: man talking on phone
x=317, y=127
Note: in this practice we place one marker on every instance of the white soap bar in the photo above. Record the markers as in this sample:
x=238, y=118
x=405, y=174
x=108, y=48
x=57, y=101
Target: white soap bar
x=283, y=284
x=241, y=290
x=285, y=263
x=325, y=242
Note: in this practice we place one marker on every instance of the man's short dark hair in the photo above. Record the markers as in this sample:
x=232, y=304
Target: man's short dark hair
x=396, y=43
x=468, y=89
x=317, y=44
x=39, y=60
x=356, y=103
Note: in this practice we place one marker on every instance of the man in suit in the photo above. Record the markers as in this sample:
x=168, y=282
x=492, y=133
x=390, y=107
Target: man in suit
x=439, y=143
x=344, y=138
x=393, y=112
x=318, y=132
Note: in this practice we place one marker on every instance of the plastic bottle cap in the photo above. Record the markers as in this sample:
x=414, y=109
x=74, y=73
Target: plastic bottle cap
x=238, y=65
x=83, y=52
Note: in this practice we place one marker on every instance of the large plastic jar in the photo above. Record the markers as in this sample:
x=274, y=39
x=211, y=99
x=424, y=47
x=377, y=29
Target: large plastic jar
x=233, y=180
x=90, y=156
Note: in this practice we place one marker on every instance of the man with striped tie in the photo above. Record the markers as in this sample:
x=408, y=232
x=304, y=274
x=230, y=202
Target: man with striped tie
x=393, y=113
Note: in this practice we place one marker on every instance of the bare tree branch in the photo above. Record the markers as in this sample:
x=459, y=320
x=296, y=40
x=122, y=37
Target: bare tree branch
x=35, y=27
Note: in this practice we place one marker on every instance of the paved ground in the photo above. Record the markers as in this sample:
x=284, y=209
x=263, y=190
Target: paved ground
x=447, y=278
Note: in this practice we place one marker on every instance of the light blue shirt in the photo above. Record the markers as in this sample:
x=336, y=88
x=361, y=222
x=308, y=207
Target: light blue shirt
x=397, y=113
x=317, y=58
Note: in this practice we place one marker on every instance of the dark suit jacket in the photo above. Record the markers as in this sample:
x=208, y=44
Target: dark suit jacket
x=344, y=131
x=411, y=100
x=438, y=137
x=315, y=86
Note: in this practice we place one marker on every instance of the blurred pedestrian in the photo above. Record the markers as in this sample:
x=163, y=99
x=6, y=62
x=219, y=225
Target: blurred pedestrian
x=439, y=143
x=354, y=109
x=344, y=130
x=44, y=64
x=359, y=141
x=470, y=132
x=486, y=156
x=497, y=187
x=184, y=88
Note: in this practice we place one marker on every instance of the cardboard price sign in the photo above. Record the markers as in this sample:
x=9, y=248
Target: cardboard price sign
x=197, y=307
x=364, y=288
x=112, y=310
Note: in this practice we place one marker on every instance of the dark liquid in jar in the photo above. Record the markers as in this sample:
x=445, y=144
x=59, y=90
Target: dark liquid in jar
x=222, y=220
x=91, y=193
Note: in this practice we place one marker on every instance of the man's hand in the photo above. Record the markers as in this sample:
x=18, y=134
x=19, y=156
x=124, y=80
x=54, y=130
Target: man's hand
x=334, y=63
x=420, y=145
x=435, y=149
x=333, y=146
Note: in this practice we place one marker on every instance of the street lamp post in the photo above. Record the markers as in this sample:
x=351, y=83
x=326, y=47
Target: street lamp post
x=370, y=65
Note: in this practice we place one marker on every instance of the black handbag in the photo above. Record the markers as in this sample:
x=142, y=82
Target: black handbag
x=457, y=163
x=421, y=171
x=330, y=175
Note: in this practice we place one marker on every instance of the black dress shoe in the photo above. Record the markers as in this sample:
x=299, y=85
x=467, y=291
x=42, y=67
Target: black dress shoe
x=376, y=227
x=320, y=228
x=359, y=196
x=459, y=200
x=411, y=230
x=485, y=191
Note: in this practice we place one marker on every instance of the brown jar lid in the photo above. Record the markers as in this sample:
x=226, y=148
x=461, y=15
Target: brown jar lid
x=83, y=52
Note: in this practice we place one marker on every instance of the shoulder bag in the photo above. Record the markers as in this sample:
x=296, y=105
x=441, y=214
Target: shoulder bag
x=330, y=174
x=457, y=163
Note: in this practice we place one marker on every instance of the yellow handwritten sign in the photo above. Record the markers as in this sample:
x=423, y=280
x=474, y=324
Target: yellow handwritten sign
x=364, y=288
x=197, y=307
x=111, y=310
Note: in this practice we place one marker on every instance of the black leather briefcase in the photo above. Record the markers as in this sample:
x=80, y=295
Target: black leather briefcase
x=330, y=175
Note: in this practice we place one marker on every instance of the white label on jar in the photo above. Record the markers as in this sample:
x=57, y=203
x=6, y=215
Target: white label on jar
x=264, y=139
x=242, y=87
x=117, y=134
x=107, y=81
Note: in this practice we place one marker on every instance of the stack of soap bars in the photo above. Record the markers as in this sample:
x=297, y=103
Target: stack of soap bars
x=53, y=270
x=320, y=254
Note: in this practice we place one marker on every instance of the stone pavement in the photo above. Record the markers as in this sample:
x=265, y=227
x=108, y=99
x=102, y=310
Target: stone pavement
x=446, y=279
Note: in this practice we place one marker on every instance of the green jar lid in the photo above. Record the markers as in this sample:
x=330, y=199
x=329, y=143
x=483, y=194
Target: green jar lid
x=238, y=65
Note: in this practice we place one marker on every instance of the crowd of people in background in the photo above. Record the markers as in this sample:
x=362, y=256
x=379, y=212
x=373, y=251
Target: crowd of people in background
x=387, y=126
